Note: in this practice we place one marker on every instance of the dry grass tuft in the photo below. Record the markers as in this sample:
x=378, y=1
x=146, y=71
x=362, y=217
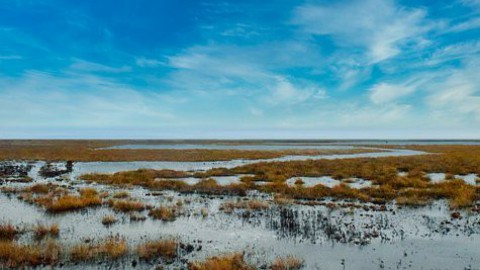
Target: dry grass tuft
x=41, y=188
x=109, y=220
x=254, y=205
x=121, y=195
x=68, y=203
x=137, y=217
x=8, y=232
x=165, y=249
x=299, y=182
x=111, y=248
x=61, y=200
x=42, y=230
x=9, y=190
x=14, y=255
x=165, y=213
x=282, y=199
x=233, y=261
x=289, y=262
x=126, y=205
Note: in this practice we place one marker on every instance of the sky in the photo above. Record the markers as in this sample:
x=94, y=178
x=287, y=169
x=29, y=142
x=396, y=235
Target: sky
x=240, y=69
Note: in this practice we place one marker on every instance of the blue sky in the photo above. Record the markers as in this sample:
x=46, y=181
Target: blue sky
x=239, y=69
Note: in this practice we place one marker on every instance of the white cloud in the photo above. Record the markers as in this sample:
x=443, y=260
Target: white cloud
x=386, y=115
x=75, y=100
x=458, y=96
x=385, y=92
x=455, y=51
x=146, y=62
x=256, y=111
x=466, y=25
x=10, y=57
x=285, y=92
x=86, y=66
x=379, y=26
x=242, y=72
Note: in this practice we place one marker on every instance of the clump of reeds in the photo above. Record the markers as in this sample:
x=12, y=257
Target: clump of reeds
x=42, y=230
x=165, y=249
x=459, y=193
x=111, y=248
x=61, y=200
x=164, y=213
x=254, y=205
x=69, y=202
x=9, y=190
x=282, y=199
x=134, y=216
x=8, y=232
x=289, y=262
x=299, y=182
x=109, y=220
x=204, y=212
x=413, y=200
x=41, y=188
x=126, y=205
x=121, y=195
x=14, y=255
x=233, y=261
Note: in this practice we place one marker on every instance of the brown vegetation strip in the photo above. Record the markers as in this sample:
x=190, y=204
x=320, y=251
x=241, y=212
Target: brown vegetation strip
x=227, y=262
x=58, y=199
x=165, y=249
x=87, y=150
x=14, y=255
x=8, y=232
x=289, y=262
x=412, y=189
x=111, y=248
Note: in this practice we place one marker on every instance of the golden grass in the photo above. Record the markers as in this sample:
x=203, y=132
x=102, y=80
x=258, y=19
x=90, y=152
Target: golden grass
x=121, y=195
x=42, y=230
x=204, y=212
x=8, y=232
x=281, y=199
x=9, y=190
x=164, y=213
x=165, y=249
x=63, y=203
x=126, y=205
x=41, y=188
x=14, y=255
x=88, y=150
x=148, y=179
x=88, y=192
x=289, y=262
x=299, y=182
x=109, y=220
x=111, y=248
x=254, y=205
x=137, y=217
x=233, y=261
x=383, y=172
x=413, y=200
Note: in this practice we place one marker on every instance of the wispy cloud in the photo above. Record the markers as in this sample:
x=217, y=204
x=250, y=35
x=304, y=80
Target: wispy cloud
x=385, y=92
x=10, y=57
x=381, y=27
x=457, y=96
x=146, y=62
x=316, y=66
x=86, y=66
x=74, y=100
